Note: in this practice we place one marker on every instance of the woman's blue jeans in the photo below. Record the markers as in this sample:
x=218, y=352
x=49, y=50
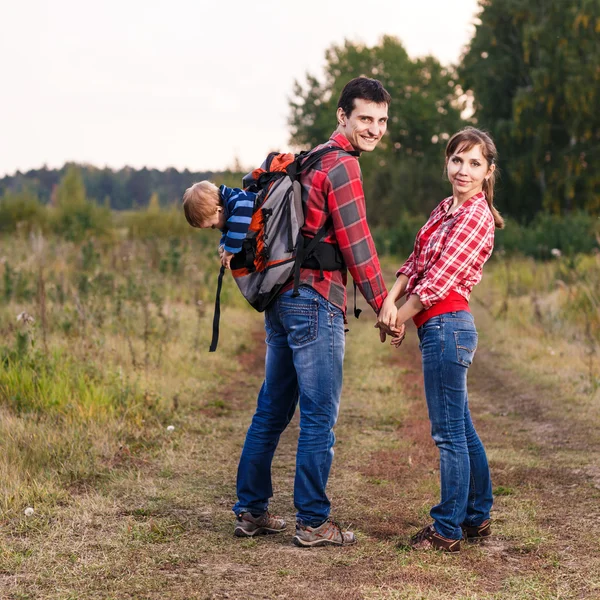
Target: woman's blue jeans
x=448, y=343
x=304, y=361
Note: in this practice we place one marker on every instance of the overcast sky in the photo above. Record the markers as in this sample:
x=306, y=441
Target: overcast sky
x=182, y=82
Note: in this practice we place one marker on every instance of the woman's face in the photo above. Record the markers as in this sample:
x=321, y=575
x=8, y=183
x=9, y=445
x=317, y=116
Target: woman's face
x=467, y=171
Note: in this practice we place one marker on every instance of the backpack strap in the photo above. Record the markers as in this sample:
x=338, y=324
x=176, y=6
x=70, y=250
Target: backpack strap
x=304, y=251
x=310, y=159
x=302, y=164
x=217, y=315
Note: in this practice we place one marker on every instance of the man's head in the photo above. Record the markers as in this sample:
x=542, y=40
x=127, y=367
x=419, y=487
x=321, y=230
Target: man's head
x=362, y=112
x=202, y=206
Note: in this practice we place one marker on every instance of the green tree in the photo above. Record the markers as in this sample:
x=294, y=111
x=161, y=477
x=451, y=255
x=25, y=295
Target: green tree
x=75, y=215
x=532, y=67
x=404, y=173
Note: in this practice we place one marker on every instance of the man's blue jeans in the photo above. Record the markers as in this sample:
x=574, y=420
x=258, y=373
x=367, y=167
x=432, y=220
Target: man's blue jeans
x=305, y=354
x=448, y=344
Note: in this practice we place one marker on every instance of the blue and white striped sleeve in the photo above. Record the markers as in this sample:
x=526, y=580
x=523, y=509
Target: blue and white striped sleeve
x=240, y=205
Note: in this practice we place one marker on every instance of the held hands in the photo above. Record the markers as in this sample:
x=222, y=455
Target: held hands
x=388, y=325
x=399, y=338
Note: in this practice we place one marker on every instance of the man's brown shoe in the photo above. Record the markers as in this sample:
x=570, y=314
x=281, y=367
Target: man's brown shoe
x=476, y=533
x=428, y=538
x=248, y=526
x=326, y=534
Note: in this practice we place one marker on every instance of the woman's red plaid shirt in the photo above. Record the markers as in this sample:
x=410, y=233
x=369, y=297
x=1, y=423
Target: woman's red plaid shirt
x=452, y=257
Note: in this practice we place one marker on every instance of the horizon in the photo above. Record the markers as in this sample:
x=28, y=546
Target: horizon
x=136, y=85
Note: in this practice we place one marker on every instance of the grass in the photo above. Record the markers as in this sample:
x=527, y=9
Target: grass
x=125, y=508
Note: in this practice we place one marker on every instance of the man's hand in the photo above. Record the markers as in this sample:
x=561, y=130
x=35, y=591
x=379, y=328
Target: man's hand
x=226, y=258
x=384, y=331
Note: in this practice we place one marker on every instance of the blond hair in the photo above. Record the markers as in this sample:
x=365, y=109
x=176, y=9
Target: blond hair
x=463, y=141
x=200, y=201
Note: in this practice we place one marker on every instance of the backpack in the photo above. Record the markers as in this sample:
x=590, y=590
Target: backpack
x=275, y=249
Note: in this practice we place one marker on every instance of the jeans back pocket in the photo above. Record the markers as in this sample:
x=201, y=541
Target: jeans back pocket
x=466, y=344
x=300, y=319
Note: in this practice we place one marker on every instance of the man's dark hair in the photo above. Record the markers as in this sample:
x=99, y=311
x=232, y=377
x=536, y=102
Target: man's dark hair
x=363, y=88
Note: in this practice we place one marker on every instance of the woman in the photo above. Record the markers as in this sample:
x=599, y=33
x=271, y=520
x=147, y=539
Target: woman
x=449, y=253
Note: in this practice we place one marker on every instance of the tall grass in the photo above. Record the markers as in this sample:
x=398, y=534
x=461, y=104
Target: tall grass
x=560, y=297
x=93, y=332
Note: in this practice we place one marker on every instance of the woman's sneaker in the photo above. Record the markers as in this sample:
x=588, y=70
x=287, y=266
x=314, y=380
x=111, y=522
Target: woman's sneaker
x=477, y=533
x=429, y=539
x=247, y=526
x=326, y=534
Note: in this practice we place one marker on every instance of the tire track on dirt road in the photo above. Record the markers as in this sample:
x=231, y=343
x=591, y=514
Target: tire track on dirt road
x=542, y=465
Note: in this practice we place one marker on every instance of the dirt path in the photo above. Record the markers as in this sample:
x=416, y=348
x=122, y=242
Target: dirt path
x=162, y=528
x=545, y=478
x=546, y=497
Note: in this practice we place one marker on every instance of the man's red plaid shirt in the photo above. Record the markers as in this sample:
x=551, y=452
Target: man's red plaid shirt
x=334, y=187
x=452, y=257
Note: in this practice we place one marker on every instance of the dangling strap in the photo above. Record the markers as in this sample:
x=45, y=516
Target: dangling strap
x=217, y=316
x=357, y=311
x=298, y=262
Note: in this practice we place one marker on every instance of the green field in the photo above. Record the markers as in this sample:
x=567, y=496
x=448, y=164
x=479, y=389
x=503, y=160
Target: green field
x=127, y=507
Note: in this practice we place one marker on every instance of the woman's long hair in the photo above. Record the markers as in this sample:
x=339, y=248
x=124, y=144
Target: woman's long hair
x=463, y=141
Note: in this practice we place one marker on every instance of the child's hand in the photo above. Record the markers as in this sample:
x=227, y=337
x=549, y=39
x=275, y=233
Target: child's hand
x=226, y=258
x=221, y=250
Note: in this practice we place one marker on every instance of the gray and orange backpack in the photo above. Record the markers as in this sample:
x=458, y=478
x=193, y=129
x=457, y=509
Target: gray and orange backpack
x=275, y=248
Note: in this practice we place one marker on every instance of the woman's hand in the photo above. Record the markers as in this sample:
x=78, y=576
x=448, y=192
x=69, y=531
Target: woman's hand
x=398, y=338
x=400, y=327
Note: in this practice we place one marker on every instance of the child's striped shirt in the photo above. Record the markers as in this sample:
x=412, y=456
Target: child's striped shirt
x=238, y=205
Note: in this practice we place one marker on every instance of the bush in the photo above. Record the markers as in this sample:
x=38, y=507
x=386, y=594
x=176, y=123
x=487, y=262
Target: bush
x=22, y=212
x=578, y=233
x=157, y=222
x=571, y=234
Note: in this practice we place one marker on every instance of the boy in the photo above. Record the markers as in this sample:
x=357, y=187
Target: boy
x=228, y=209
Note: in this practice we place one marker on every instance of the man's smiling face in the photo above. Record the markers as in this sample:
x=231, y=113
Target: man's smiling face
x=366, y=124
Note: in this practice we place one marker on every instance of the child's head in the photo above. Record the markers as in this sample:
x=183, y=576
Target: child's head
x=202, y=206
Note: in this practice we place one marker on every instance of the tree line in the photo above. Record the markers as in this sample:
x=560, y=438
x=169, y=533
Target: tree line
x=122, y=189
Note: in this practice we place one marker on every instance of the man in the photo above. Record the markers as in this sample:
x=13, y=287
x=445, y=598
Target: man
x=305, y=333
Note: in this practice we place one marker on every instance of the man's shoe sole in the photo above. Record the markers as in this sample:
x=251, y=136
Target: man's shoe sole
x=241, y=532
x=304, y=544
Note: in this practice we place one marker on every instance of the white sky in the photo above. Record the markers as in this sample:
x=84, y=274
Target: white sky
x=181, y=82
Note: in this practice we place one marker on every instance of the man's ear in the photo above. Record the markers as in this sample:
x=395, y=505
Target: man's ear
x=341, y=116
